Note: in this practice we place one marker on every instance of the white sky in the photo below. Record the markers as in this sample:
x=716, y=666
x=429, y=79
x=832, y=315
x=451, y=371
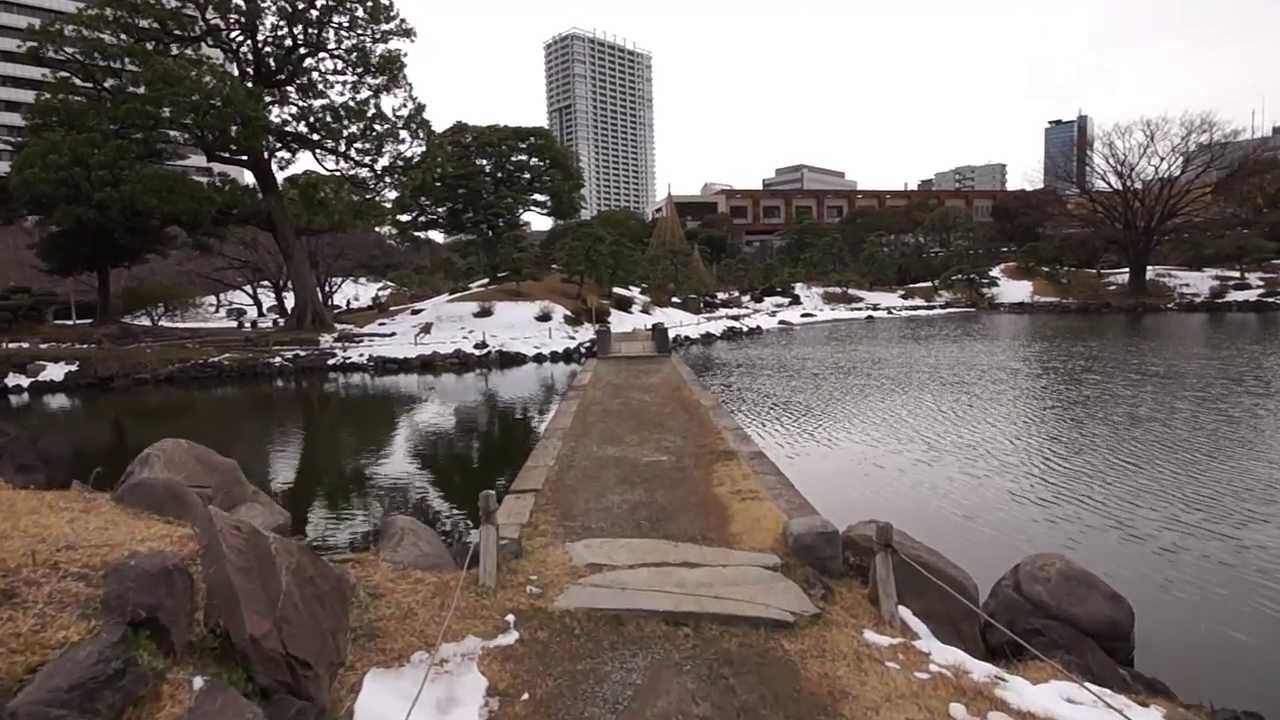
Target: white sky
x=889, y=92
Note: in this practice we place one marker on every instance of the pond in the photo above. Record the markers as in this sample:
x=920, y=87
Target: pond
x=338, y=452
x=1145, y=447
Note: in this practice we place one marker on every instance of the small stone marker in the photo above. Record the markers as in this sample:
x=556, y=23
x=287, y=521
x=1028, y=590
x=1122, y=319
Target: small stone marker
x=488, y=539
x=631, y=552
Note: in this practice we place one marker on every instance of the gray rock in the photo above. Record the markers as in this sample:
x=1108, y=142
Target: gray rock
x=1051, y=587
x=160, y=496
x=408, y=543
x=216, y=480
x=95, y=679
x=286, y=611
x=731, y=591
x=1083, y=657
x=152, y=592
x=951, y=621
x=263, y=513
x=217, y=701
x=630, y=552
x=36, y=369
x=816, y=543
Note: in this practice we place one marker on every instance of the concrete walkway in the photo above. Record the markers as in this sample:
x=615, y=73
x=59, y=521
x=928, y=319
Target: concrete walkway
x=639, y=459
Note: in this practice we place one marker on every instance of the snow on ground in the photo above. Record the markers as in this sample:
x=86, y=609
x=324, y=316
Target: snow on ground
x=1196, y=284
x=1187, y=284
x=355, y=292
x=514, y=328
x=1055, y=699
x=455, y=689
x=53, y=372
x=1014, y=291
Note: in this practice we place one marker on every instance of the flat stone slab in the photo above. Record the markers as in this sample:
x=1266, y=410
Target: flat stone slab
x=630, y=552
x=515, y=509
x=585, y=597
x=741, y=591
x=531, y=479
x=544, y=454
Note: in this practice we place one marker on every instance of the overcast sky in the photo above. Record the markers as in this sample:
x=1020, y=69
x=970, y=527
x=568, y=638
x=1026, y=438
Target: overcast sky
x=887, y=92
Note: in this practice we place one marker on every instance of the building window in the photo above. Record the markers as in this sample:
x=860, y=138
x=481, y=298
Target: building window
x=738, y=212
x=835, y=212
x=803, y=212
x=771, y=213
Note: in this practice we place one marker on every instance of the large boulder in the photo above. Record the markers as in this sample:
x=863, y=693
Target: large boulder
x=285, y=610
x=406, y=542
x=33, y=462
x=215, y=479
x=815, y=542
x=152, y=592
x=1048, y=586
x=96, y=679
x=218, y=701
x=951, y=620
x=160, y=496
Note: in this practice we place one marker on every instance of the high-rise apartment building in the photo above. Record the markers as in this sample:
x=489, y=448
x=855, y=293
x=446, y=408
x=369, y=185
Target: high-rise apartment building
x=1066, y=153
x=600, y=106
x=20, y=81
x=992, y=176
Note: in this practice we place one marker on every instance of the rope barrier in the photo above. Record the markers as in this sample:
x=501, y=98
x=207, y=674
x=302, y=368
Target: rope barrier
x=431, y=659
x=1009, y=632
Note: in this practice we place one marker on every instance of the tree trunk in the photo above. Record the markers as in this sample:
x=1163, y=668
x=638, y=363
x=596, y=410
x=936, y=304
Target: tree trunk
x=256, y=298
x=104, y=295
x=309, y=313
x=277, y=290
x=1138, y=275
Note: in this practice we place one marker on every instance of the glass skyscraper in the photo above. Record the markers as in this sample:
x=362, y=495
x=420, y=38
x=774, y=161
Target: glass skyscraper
x=1066, y=153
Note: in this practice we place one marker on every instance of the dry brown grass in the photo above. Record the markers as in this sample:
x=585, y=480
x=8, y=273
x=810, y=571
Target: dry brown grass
x=1014, y=271
x=755, y=523
x=551, y=288
x=54, y=547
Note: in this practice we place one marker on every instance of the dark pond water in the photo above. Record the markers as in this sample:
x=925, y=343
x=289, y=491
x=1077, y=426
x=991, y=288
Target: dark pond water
x=1147, y=448
x=337, y=452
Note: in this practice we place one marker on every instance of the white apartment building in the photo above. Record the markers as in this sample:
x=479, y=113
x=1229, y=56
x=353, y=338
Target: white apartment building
x=20, y=81
x=992, y=176
x=807, y=177
x=600, y=106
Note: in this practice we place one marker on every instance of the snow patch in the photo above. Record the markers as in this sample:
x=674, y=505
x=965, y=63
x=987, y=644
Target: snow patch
x=893, y=665
x=1055, y=699
x=198, y=682
x=879, y=640
x=455, y=690
x=53, y=372
x=921, y=675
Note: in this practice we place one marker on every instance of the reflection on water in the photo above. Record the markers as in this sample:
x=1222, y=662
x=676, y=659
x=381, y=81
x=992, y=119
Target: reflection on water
x=1145, y=447
x=337, y=452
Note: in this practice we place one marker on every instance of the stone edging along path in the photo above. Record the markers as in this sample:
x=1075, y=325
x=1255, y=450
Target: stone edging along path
x=517, y=505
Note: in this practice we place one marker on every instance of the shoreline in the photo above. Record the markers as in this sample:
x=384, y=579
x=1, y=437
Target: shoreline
x=106, y=369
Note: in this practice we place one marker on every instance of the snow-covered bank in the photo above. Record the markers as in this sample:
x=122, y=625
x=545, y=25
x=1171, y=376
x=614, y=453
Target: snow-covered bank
x=1207, y=285
x=1054, y=700
x=204, y=312
x=52, y=372
x=447, y=324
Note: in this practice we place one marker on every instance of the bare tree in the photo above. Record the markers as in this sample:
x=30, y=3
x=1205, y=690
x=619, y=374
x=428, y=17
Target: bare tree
x=246, y=257
x=1151, y=179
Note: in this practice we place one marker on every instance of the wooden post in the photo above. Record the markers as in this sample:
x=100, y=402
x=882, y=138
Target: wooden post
x=488, y=539
x=886, y=585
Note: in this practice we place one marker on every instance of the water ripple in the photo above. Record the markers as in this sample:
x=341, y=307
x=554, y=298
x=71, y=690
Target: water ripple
x=1147, y=448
